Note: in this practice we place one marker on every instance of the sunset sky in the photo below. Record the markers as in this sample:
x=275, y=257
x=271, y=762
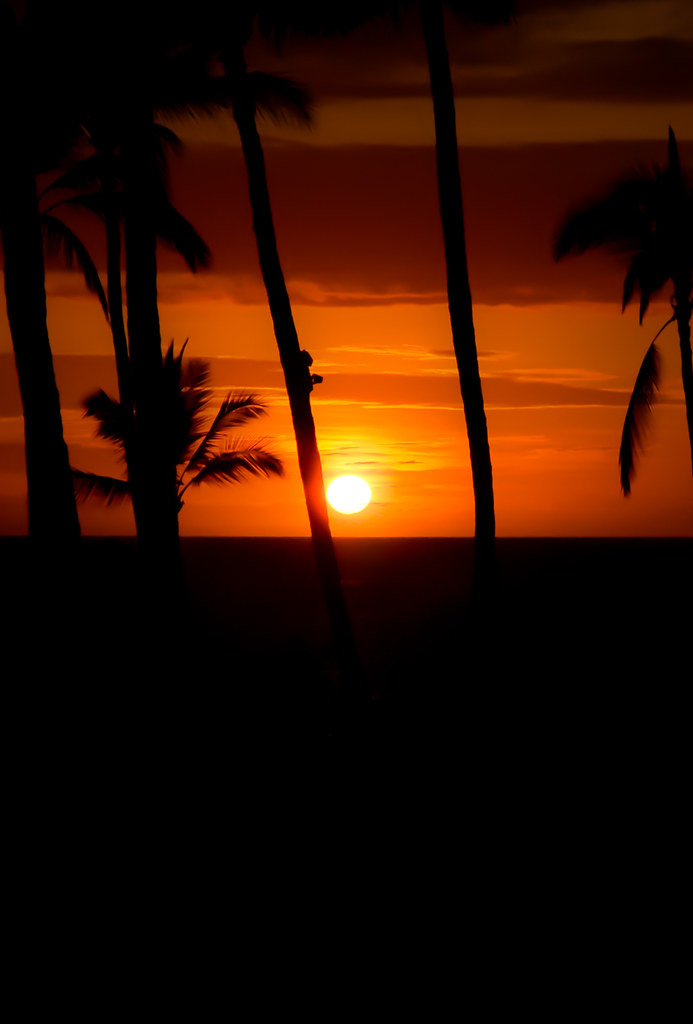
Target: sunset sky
x=551, y=109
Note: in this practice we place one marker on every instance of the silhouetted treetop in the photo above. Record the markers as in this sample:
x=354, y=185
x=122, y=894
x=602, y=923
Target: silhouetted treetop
x=646, y=215
x=201, y=450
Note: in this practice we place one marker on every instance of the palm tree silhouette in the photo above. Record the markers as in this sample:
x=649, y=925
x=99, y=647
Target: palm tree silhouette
x=94, y=184
x=250, y=93
x=646, y=216
x=39, y=125
x=142, y=62
x=202, y=454
x=459, y=291
x=340, y=19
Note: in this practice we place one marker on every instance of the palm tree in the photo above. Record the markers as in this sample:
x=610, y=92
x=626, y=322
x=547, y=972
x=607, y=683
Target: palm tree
x=94, y=185
x=249, y=93
x=648, y=217
x=342, y=18
x=140, y=62
x=202, y=455
x=34, y=146
x=459, y=291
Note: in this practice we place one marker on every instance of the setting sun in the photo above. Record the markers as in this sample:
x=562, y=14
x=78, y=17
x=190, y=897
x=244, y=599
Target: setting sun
x=348, y=494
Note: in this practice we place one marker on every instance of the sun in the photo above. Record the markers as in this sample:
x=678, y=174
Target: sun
x=348, y=494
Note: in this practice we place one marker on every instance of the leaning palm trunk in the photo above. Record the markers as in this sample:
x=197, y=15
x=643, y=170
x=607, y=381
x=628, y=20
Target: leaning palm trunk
x=296, y=375
x=52, y=510
x=152, y=473
x=459, y=294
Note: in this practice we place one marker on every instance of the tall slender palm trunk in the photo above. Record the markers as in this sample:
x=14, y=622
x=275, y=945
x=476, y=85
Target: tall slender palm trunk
x=153, y=473
x=459, y=293
x=115, y=292
x=683, y=323
x=296, y=374
x=52, y=510
x=115, y=311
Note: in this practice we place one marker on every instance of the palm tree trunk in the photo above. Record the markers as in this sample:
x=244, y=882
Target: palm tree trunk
x=297, y=378
x=683, y=323
x=117, y=321
x=52, y=511
x=153, y=470
x=115, y=294
x=459, y=293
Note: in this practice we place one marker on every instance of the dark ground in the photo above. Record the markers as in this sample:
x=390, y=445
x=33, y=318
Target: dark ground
x=502, y=830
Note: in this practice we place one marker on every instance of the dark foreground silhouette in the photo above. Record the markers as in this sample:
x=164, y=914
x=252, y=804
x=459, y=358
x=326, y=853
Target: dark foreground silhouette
x=583, y=628
x=512, y=797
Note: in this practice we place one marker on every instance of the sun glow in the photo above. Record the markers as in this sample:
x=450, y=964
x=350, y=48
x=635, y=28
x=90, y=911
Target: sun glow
x=348, y=494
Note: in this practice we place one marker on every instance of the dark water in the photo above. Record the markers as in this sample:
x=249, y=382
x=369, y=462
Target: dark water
x=574, y=610
x=586, y=656
x=624, y=603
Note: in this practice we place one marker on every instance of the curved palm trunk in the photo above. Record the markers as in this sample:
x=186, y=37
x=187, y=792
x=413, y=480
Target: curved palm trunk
x=297, y=378
x=153, y=474
x=459, y=293
x=52, y=510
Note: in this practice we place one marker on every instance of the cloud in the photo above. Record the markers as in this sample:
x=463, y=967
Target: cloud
x=360, y=226
x=625, y=50
x=656, y=70
x=507, y=390
x=78, y=375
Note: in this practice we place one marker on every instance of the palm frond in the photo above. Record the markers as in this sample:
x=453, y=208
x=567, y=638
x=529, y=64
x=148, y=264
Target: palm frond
x=184, y=393
x=60, y=239
x=234, y=411
x=182, y=85
x=109, y=415
x=237, y=463
x=106, y=488
x=673, y=151
x=640, y=405
x=165, y=137
x=92, y=202
x=175, y=231
x=619, y=219
x=630, y=282
x=177, y=412
x=195, y=395
x=647, y=216
x=280, y=99
x=172, y=363
x=237, y=409
x=86, y=175
x=648, y=273
x=195, y=376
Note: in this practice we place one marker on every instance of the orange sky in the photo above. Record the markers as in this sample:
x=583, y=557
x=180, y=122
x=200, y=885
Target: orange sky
x=551, y=109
